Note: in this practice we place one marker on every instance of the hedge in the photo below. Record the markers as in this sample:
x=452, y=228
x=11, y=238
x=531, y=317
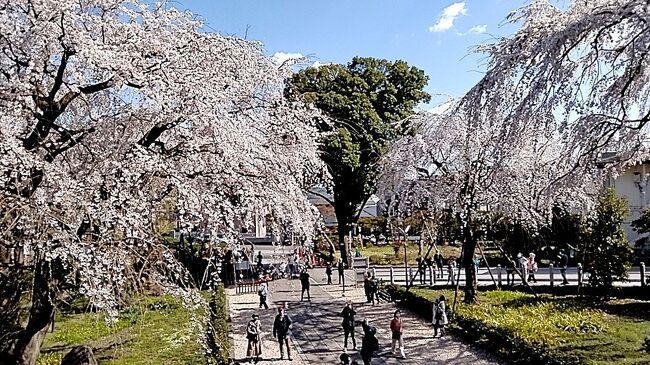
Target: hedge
x=471, y=323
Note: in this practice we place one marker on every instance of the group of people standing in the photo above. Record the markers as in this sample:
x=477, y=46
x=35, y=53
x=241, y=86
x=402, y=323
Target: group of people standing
x=371, y=288
x=370, y=343
x=281, y=327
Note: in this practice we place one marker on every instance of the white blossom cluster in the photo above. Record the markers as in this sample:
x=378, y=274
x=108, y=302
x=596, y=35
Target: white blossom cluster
x=569, y=86
x=111, y=106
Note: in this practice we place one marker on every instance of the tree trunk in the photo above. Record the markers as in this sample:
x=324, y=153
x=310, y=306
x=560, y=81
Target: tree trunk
x=469, y=243
x=470, y=283
x=24, y=346
x=342, y=223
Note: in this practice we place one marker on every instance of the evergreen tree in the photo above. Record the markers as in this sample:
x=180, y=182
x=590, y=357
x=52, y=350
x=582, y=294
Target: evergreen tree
x=608, y=252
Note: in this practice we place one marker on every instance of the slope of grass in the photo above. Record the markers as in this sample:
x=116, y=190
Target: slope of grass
x=549, y=330
x=154, y=330
x=394, y=254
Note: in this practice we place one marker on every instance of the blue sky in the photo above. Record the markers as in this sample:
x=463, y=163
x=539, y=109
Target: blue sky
x=434, y=35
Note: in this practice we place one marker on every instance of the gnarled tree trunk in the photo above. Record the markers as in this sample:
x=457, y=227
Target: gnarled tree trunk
x=24, y=346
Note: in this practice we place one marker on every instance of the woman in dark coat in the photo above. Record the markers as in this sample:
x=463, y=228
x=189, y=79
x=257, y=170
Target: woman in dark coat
x=348, y=325
x=369, y=344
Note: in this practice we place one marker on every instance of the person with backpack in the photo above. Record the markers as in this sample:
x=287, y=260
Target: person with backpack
x=369, y=344
x=304, y=283
x=281, y=326
x=348, y=325
x=253, y=331
x=439, y=316
x=263, y=292
x=397, y=329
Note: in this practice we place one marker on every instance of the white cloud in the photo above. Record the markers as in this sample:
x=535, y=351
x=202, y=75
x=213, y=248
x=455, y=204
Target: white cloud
x=449, y=14
x=281, y=57
x=478, y=29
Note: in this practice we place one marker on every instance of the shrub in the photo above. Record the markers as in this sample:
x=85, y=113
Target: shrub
x=513, y=325
x=218, y=336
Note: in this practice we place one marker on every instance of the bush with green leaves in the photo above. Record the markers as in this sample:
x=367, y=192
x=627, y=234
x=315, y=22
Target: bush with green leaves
x=608, y=253
x=513, y=325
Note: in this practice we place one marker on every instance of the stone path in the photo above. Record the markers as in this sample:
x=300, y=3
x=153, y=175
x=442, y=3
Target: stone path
x=317, y=333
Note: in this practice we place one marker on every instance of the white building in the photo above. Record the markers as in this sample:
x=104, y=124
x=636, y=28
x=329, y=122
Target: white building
x=633, y=185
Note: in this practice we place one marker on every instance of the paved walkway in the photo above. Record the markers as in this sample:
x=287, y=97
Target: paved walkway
x=318, y=336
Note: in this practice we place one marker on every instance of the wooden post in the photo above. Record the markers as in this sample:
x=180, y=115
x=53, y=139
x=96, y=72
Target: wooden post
x=392, y=276
x=373, y=272
x=550, y=273
x=410, y=275
x=499, y=280
x=432, y=276
x=644, y=279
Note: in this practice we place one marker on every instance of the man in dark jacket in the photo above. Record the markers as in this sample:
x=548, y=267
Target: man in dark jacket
x=281, y=327
x=369, y=344
x=341, y=269
x=328, y=272
x=304, y=283
x=366, y=286
x=348, y=325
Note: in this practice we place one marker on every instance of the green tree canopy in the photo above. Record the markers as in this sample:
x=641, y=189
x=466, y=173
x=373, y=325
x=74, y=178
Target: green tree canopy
x=369, y=101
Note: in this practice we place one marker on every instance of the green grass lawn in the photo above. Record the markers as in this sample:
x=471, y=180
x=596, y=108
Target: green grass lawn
x=385, y=254
x=568, y=328
x=155, y=330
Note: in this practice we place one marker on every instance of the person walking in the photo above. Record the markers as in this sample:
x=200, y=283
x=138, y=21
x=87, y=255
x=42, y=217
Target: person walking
x=421, y=270
x=328, y=272
x=439, y=261
x=253, y=331
x=259, y=262
x=281, y=326
x=563, y=263
x=374, y=290
x=523, y=266
x=341, y=270
x=366, y=286
x=451, y=266
x=439, y=316
x=369, y=344
x=291, y=264
x=511, y=273
x=263, y=292
x=348, y=325
x=397, y=330
x=532, y=267
x=304, y=283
